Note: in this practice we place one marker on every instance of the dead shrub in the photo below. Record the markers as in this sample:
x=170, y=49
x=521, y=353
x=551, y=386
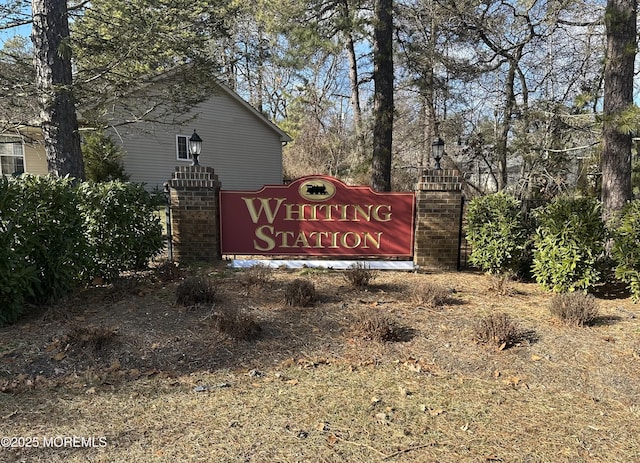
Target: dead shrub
x=574, y=309
x=497, y=329
x=375, y=326
x=258, y=275
x=236, y=323
x=428, y=294
x=359, y=275
x=300, y=292
x=195, y=290
x=502, y=283
x=168, y=271
x=93, y=339
x=126, y=284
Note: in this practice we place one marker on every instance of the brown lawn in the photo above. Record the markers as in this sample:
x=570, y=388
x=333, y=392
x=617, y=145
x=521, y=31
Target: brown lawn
x=152, y=381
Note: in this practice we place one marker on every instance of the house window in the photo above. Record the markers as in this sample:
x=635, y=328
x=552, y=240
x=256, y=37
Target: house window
x=11, y=156
x=182, y=148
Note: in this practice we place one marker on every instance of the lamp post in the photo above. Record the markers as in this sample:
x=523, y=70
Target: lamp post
x=437, y=148
x=195, y=147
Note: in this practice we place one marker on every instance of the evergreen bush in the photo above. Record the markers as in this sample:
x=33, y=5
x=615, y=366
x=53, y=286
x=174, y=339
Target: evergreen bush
x=18, y=276
x=122, y=231
x=102, y=158
x=55, y=233
x=52, y=238
x=568, y=243
x=626, y=247
x=497, y=233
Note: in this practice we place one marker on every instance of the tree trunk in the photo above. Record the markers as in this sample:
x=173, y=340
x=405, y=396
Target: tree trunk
x=505, y=127
x=355, y=96
x=620, y=20
x=52, y=50
x=383, y=95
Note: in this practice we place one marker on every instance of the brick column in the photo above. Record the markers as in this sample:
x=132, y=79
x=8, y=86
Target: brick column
x=438, y=214
x=195, y=218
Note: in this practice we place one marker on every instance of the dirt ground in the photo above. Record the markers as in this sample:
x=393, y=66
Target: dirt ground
x=151, y=380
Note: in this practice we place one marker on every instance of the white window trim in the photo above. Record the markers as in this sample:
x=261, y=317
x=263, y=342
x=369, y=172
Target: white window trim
x=15, y=141
x=188, y=158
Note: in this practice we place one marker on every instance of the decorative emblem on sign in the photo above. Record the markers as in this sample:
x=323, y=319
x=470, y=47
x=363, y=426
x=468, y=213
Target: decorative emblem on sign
x=317, y=189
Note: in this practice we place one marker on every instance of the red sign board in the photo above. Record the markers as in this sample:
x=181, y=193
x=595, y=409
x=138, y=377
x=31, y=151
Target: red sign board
x=317, y=216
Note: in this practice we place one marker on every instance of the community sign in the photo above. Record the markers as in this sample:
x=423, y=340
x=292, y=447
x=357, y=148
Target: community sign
x=317, y=216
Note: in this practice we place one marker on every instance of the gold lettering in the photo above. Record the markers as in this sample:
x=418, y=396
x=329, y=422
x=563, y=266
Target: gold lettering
x=284, y=235
x=265, y=207
x=299, y=212
x=386, y=216
x=319, y=236
x=334, y=240
x=344, y=209
x=266, y=237
x=356, y=240
x=369, y=237
x=358, y=210
x=326, y=210
x=301, y=241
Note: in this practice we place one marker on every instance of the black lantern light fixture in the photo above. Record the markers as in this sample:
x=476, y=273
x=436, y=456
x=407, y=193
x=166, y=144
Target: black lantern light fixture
x=195, y=147
x=437, y=148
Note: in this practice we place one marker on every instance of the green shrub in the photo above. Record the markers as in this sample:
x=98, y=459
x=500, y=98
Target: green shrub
x=121, y=228
x=54, y=233
x=568, y=244
x=102, y=158
x=626, y=247
x=497, y=233
x=51, y=234
x=18, y=277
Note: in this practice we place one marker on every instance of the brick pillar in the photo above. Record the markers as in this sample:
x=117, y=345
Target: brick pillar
x=438, y=214
x=195, y=218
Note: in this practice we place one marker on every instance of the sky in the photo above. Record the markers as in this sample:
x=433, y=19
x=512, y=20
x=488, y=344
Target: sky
x=10, y=33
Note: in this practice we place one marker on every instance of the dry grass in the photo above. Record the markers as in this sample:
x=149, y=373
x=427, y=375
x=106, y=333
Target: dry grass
x=307, y=390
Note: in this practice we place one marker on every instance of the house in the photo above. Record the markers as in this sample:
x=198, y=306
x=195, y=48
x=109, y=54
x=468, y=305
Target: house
x=239, y=142
x=21, y=150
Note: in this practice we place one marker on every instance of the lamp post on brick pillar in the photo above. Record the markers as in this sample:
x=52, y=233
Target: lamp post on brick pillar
x=195, y=147
x=195, y=220
x=437, y=148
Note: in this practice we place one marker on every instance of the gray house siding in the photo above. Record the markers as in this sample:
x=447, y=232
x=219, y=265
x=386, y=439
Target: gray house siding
x=243, y=147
